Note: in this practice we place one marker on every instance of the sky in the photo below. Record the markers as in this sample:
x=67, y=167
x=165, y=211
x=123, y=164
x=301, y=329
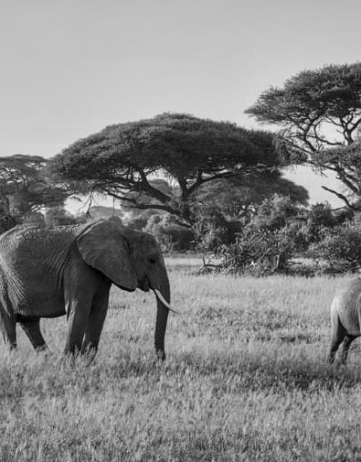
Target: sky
x=70, y=68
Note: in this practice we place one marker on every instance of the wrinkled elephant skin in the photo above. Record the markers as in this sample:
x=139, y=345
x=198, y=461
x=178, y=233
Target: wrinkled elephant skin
x=50, y=272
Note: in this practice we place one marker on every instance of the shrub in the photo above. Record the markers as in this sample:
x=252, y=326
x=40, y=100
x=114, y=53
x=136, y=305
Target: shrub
x=170, y=234
x=275, y=213
x=258, y=252
x=213, y=230
x=318, y=220
x=340, y=247
x=140, y=220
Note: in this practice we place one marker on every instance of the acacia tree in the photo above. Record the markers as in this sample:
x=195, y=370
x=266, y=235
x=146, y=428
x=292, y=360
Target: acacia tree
x=121, y=160
x=24, y=188
x=319, y=112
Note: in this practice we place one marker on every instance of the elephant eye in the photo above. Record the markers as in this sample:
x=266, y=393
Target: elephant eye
x=152, y=260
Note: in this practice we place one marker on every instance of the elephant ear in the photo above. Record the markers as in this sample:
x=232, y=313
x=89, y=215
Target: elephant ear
x=103, y=247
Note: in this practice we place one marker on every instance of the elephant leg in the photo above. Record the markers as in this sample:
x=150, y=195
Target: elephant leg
x=8, y=328
x=78, y=315
x=32, y=330
x=338, y=335
x=95, y=324
x=345, y=347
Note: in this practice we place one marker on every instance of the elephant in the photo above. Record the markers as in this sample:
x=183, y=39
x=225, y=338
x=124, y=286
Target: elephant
x=345, y=319
x=47, y=272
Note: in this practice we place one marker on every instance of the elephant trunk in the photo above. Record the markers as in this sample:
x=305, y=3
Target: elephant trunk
x=162, y=317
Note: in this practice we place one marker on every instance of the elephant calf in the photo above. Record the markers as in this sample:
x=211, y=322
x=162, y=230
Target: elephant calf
x=68, y=270
x=345, y=319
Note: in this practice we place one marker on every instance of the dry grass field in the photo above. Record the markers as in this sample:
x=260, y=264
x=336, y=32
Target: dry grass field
x=245, y=380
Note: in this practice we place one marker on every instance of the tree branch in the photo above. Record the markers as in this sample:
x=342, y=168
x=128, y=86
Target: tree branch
x=197, y=183
x=147, y=187
x=347, y=180
x=342, y=197
x=165, y=208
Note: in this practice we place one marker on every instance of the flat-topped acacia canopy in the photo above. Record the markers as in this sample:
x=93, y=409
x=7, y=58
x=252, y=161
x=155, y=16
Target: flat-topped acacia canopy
x=121, y=159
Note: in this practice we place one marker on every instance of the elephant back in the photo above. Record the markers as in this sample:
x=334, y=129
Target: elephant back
x=27, y=250
x=35, y=240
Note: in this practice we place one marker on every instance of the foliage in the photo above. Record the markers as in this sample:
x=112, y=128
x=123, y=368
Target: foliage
x=169, y=233
x=139, y=219
x=319, y=218
x=122, y=160
x=239, y=197
x=279, y=232
x=25, y=189
x=258, y=252
x=340, y=247
x=212, y=229
x=23, y=181
x=274, y=219
x=164, y=227
x=319, y=112
x=275, y=213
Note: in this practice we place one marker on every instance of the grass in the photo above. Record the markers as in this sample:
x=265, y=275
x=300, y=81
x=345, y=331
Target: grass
x=245, y=380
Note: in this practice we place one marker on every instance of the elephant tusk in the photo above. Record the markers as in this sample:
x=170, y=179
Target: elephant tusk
x=163, y=300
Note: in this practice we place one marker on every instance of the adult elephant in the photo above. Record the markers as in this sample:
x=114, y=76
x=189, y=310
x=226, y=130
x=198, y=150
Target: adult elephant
x=50, y=272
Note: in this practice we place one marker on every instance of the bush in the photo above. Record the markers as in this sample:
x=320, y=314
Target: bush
x=340, y=248
x=275, y=213
x=319, y=219
x=140, y=221
x=213, y=230
x=258, y=252
x=170, y=234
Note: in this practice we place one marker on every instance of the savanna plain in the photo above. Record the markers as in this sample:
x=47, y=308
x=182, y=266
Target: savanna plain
x=245, y=379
